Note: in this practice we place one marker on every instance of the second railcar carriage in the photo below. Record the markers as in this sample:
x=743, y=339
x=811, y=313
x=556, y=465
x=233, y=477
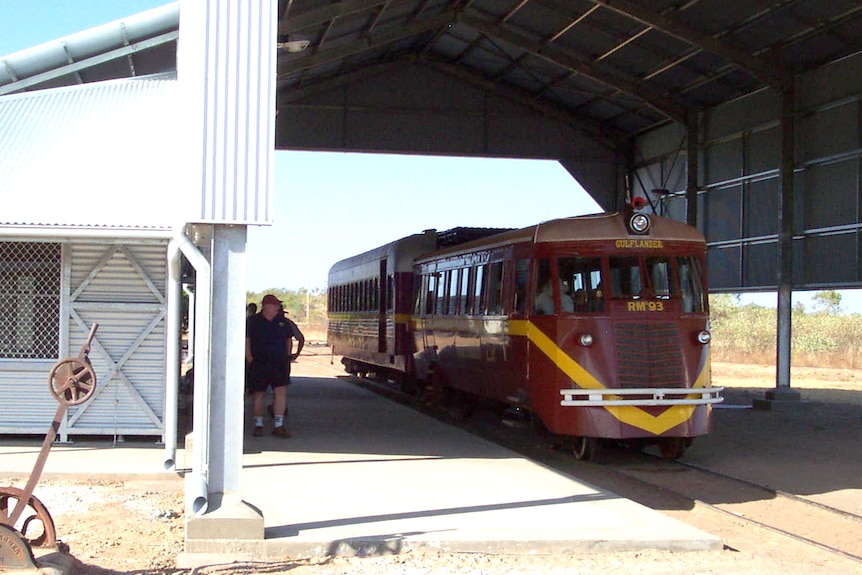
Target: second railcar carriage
x=595, y=325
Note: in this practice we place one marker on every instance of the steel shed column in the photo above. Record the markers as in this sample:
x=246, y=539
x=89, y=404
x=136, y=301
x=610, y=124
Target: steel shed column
x=692, y=151
x=782, y=389
x=226, y=66
x=227, y=363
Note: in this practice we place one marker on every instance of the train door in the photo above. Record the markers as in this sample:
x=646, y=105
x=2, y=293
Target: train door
x=382, y=299
x=517, y=384
x=541, y=375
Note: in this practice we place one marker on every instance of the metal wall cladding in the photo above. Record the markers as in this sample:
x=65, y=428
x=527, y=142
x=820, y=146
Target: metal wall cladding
x=122, y=288
x=739, y=158
x=101, y=154
x=28, y=406
x=227, y=74
x=100, y=271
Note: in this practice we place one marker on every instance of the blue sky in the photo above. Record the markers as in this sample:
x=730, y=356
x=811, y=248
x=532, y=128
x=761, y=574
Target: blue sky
x=333, y=205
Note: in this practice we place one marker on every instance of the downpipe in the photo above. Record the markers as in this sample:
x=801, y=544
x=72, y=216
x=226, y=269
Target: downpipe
x=197, y=483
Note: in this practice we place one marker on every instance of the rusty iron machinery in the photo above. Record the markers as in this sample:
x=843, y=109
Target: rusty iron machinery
x=24, y=520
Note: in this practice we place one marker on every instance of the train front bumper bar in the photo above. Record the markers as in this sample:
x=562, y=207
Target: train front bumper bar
x=640, y=397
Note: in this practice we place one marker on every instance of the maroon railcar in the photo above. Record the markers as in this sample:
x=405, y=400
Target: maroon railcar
x=596, y=326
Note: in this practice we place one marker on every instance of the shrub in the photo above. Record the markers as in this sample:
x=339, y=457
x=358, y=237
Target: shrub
x=748, y=334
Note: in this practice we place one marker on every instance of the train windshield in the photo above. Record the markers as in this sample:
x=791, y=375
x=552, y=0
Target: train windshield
x=690, y=271
x=580, y=284
x=659, y=277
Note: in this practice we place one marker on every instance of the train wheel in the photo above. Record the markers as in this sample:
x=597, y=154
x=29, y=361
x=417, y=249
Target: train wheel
x=672, y=447
x=350, y=366
x=585, y=448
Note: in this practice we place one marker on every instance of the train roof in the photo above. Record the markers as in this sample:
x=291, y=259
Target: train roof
x=431, y=244
x=612, y=226
x=593, y=227
x=402, y=251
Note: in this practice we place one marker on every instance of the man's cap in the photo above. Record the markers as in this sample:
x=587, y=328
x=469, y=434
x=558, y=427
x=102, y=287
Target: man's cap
x=269, y=298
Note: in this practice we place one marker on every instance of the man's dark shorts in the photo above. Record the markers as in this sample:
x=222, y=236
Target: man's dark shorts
x=264, y=375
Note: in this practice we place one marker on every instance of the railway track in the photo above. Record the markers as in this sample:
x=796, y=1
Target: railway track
x=797, y=518
x=678, y=488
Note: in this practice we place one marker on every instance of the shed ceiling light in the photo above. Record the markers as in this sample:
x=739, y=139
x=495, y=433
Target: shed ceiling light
x=293, y=46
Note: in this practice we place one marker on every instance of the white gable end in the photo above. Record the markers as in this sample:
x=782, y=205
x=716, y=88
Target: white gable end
x=100, y=154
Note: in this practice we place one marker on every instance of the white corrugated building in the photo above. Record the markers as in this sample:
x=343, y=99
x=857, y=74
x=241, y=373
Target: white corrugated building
x=124, y=151
x=88, y=186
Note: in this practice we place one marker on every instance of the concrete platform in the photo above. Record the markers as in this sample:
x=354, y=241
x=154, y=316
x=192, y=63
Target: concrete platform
x=363, y=474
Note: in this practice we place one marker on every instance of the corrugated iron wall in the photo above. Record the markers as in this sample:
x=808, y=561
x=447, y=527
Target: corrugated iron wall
x=120, y=286
x=738, y=203
x=227, y=74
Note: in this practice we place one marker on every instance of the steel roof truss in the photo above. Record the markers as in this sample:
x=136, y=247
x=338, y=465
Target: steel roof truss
x=89, y=63
x=378, y=40
x=566, y=60
x=770, y=75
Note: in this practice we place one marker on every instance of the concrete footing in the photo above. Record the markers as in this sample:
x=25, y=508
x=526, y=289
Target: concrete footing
x=780, y=398
x=228, y=518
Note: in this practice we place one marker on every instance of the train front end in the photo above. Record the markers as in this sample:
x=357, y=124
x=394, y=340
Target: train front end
x=618, y=334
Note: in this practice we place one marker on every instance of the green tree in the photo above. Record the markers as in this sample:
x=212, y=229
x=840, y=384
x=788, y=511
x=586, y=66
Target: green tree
x=827, y=301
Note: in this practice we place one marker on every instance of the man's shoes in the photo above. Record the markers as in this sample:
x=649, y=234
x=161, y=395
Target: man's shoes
x=258, y=431
x=281, y=432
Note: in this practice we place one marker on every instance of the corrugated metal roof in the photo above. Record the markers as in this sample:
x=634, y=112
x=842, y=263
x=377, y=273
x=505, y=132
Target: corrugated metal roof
x=99, y=154
x=138, y=45
x=619, y=67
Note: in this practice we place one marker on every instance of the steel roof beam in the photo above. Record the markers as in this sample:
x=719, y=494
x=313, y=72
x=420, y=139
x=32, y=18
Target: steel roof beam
x=773, y=76
x=606, y=135
x=565, y=60
x=329, y=12
x=91, y=62
x=372, y=42
x=286, y=97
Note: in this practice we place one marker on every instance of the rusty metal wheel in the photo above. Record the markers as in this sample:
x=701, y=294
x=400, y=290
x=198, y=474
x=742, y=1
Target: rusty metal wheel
x=72, y=381
x=35, y=524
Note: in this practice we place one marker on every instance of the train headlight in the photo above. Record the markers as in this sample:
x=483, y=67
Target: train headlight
x=704, y=337
x=586, y=340
x=639, y=223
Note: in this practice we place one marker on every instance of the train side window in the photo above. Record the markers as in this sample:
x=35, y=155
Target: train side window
x=522, y=269
x=464, y=291
x=625, y=277
x=478, y=287
x=494, y=289
x=690, y=272
x=431, y=301
x=377, y=299
x=421, y=295
x=581, y=277
x=440, y=303
x=454, y=282
x=543, y=302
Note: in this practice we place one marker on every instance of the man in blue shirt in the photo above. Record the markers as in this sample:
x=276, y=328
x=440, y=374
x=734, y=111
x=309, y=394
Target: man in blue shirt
x=268, y=353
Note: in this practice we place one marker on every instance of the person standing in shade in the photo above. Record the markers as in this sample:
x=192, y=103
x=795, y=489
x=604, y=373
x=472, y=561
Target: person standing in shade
x=250, y=311
x=268, y=343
